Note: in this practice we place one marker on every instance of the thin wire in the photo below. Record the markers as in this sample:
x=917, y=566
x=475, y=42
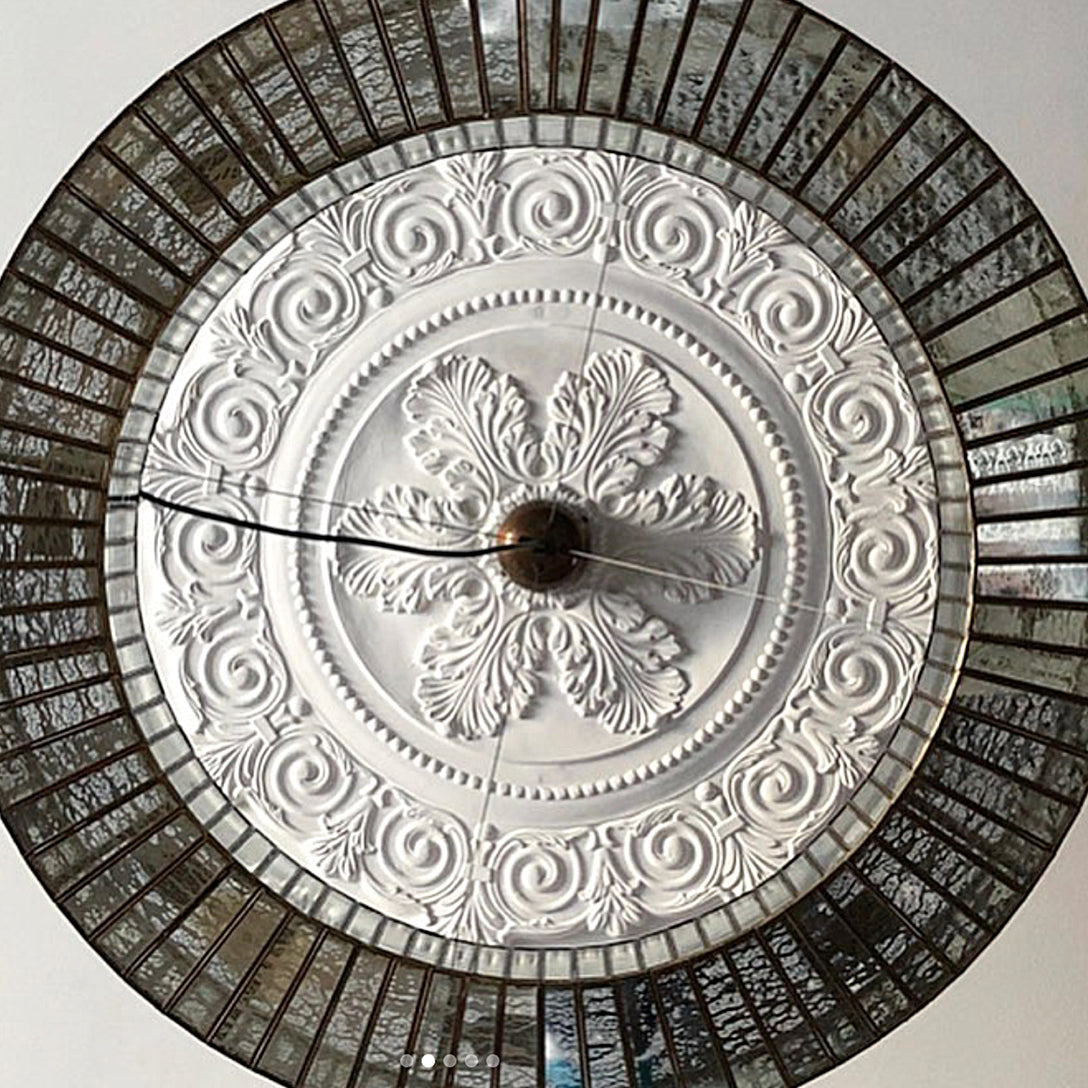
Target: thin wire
x=660, y=572
x=336, y=504
x=331, y=538
x=500, y=735
x=449, y=553
x=481, y=822
x=588, y=347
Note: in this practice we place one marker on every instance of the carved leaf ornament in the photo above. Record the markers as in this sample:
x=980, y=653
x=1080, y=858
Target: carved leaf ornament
x=611, y=656
x=603, y=441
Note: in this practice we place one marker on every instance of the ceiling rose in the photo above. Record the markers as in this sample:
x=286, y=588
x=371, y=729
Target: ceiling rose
x=472, y=339
x=524, y=535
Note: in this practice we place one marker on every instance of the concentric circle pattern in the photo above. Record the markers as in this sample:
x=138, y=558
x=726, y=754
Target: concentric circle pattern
x=328, y=224
x=763, y=493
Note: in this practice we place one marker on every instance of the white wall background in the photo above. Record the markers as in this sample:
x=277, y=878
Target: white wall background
x=1015, y=69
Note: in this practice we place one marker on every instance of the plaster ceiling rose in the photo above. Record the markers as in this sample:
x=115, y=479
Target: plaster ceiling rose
x=523, y=328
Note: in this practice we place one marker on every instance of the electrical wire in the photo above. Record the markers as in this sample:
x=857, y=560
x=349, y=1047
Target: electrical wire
x=686, y=579
x=334, y=538
x=450, y=553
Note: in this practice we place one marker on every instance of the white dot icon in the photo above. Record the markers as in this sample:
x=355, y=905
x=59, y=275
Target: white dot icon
x=427, y=1061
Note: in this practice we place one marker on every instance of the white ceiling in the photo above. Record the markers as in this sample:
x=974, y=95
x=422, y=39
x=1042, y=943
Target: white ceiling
x=1016, y=72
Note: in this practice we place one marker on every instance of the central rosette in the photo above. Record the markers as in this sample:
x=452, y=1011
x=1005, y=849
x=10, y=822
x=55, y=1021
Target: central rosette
x=550, y=537
x=515, y=623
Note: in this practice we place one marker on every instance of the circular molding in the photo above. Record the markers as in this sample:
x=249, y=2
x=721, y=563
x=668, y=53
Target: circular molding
x=337, y=319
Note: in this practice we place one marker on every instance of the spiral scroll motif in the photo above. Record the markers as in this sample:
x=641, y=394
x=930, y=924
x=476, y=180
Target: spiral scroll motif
x=235, y=675
x=674, y=851
x=410, y=234
x=234, y=423
x=553, y=206
x=792, y=312
x=859, y=675
x=303, y=774
x=678, y=228
x=779, y=789
x=199, y=550
x=307, y=302
x=538, y=876
x=862, y=417
x=419, y=852
x=887, y=555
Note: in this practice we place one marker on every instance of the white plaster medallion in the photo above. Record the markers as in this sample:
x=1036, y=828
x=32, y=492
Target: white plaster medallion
x=624, y=751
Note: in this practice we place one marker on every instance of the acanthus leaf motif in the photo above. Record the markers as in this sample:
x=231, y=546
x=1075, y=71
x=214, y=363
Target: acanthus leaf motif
x=611, y=905
x=614, y=663
x=231, y=753
x=341, y=849
x=687, y=526
x=903, y=480
x=475, y=184
x=843, y=747
x=607, y=423
x=190, y=614
x=404, y=515
x=471, y=916
x=749, y=856
x=484, y=663
x=858, y=338
x=243, y=342
x=473, y=429
x=479, y=669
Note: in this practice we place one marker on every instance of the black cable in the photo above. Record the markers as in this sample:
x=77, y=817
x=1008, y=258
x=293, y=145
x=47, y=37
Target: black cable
x=333, y=538
x=411, y=549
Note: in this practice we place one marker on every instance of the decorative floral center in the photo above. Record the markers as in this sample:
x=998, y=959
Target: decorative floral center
x=612, y=659
x=550, y=536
